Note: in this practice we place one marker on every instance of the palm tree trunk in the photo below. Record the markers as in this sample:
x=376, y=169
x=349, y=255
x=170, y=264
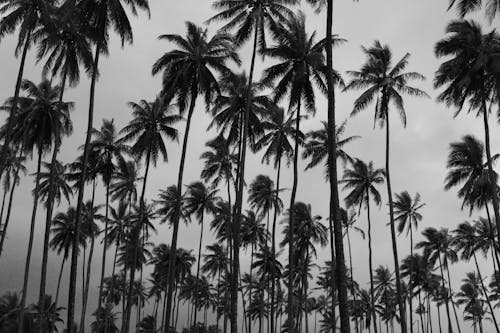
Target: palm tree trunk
x=370, y=263
x=30, y=241
x=173, y=246
x=485, y=291
x=439, y=318
x=450, y=328
x=340, y=269
x=198, y=265
x=4, y=197
x=399, y=293
x=451, y=293
x=410, y=287
x=273, y=248
x=332, y=255
x=353, y=293
x=48, y=220
x=494, y=247
x=9, y=209
x=17, y=89
x=81, y=190
x=126, y=317
x=494, y=197
x=104, y=249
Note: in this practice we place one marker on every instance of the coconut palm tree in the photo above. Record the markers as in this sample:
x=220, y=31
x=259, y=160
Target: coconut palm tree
x=407, y=215
x=466, y=241
x=199, y=200
x=466, y=79
x=125, y=182
x=470, y=296
x=43, y=122
x=153, y=121
x=437, y=249
x=465, y=7
x=105, y=320
x=189, y=72
x=316, y=146
x=301, y=67
x=102, y=16
x=362, y=180
x=109, y=150
x=386, y=82
x=215, y=264
x=24, y=16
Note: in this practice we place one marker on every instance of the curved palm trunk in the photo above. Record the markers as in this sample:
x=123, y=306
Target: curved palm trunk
x=340, y=269
x=30, y=242
x=10, y=120
x=74, y=251
x=128, y=309
x=198, y=267
x=104, y=250
x=399, y=294
x=273, y=249
x=9, y=209
x=370, y=263
x=173, y=246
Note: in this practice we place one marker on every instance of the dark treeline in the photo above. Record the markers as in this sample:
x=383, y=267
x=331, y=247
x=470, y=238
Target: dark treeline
x=145, y=286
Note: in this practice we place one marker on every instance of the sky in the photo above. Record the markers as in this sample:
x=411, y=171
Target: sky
x=418, y=152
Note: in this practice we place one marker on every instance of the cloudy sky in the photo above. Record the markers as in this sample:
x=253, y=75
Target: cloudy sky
x=418, y=151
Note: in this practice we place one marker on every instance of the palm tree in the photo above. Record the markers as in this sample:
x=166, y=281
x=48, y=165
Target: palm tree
x=361, y=181
x=466, y=241
x=316, y=146
x=102, y=17
x=105, y=320
x=109, y=150
x=437, y=248
x=152, y=122
x=386, y=83
x=199, y=200
x=466, y=79
x=24, y=16
x=41, y=123
x=407, y=215
x=470, y=296
x=219, y=163
x=465, y=7
x=215, y=264
x=301, y=66
x=125, y=179
x=189, y=72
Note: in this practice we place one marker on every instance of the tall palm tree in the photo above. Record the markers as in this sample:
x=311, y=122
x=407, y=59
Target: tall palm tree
x=362, y=180
x=199, y=200
x=466, y=79
x=189, y=72
x=386, y=82
x=301, y=67
x=437, y=248
x=102, y=16
x=40, y=124
x=109, y=150
x=466, y=241
x=153, y=121
x=316, y=146
x=276, y=141
x=406, y=211
x=24, y=16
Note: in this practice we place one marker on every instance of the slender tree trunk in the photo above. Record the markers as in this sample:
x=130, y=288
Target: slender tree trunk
x=340, y=269
x=250, y=288
x=332, y=256
x=59, y=279
x=173, y=246
x=399, y=291
x=439, y=318
x=450, y=327
x=30, y=241
x=17, y=90
x=3, y=204
x=48, y=220
x=239, y=195
x=198, y=266
x=128, y=309
x=273, y=249
x=104, y=249
x=74, y=252
x=451, y=293
x=9, y=209
x=410, y=287
x=353, y=292
x=485, y=291
x=370, y=262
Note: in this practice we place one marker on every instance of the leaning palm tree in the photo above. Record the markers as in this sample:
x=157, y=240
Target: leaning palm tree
x=109, y=150
x=361, y=180
x=188, y=73
x=406, y=210
x=301, y=67
x=43, y=122
x=102, y=17
x=466, y=79
x=26, y=16
x=153, y=121
x=386, y=82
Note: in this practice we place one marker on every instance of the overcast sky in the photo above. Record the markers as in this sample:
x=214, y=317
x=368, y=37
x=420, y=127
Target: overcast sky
x=418, y=154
